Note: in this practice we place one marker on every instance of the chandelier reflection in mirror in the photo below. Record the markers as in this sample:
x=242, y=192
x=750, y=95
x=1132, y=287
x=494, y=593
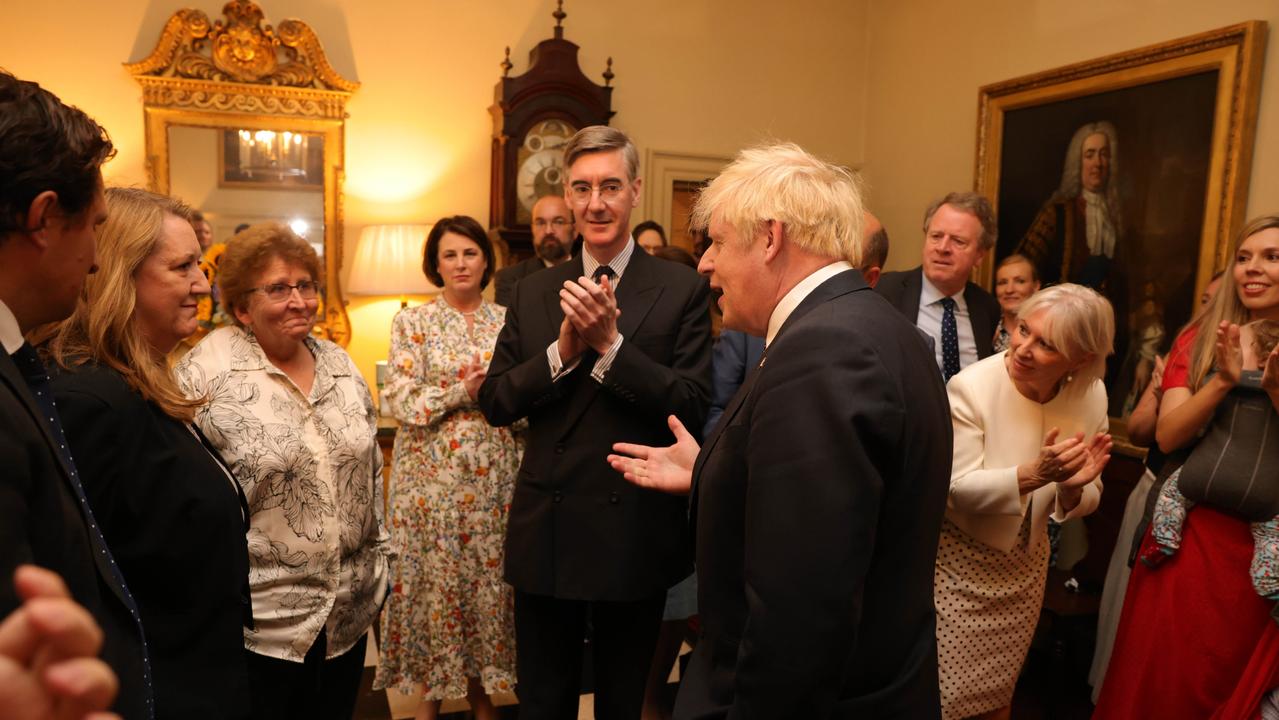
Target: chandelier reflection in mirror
x=268, y=158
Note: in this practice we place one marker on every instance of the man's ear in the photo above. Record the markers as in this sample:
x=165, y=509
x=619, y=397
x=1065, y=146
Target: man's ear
x=638, y=184
x=774, y=239
x=42, y=211
x=871, y=274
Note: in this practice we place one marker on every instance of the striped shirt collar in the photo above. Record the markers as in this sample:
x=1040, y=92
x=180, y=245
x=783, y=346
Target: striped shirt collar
x=618, y=263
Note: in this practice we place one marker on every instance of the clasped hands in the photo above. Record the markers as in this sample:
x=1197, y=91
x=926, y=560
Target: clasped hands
x=590, y=317
x=1071, y=463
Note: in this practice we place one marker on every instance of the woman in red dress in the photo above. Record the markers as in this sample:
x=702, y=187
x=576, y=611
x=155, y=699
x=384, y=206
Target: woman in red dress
x=1195, y=640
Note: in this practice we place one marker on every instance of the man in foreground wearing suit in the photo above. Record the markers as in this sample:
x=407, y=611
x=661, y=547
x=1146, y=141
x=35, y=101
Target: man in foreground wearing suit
x=959, y=230
x=818, y=499
x=603, y=347
x=552, y=241
x=51, y=203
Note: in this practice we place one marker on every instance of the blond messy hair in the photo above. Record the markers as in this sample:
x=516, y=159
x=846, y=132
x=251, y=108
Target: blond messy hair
x=102, y=327
x=819, y=204
x=1078, y=321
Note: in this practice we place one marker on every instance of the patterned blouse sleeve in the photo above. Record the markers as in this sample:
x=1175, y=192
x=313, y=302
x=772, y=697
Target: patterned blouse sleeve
x=413, y=394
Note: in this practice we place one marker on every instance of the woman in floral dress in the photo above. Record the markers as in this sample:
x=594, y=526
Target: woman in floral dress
x=448, y=626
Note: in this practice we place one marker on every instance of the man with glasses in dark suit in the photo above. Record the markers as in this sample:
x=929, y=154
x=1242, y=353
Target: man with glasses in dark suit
x=603, y=347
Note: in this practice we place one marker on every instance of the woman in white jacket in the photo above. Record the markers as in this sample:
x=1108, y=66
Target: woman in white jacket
x=1030, y=442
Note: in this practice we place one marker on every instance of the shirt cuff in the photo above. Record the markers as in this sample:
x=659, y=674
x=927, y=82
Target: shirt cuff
x=606, y=360
x=558, y=370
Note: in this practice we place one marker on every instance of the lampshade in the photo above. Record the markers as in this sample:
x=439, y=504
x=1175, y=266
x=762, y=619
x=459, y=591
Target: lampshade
x=388, y=261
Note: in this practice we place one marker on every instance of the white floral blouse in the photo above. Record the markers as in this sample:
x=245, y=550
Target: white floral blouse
x=311, y=470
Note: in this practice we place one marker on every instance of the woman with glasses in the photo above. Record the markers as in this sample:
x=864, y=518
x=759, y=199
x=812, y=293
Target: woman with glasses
x=449, y=627
x=295, y=421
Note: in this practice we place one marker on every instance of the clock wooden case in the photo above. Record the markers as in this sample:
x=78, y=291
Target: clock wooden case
x=534, y=115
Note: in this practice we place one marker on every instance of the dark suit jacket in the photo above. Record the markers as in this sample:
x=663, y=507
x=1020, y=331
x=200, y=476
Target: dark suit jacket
x=42, y=522
x=902, y=288
x=818, y=503
x=734, y=356
x=577, y=529
x=504, y=280
x=175, y=522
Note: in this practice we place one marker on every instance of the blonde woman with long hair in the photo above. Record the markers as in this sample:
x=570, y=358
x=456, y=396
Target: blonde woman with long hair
x=1195, y=639
x=170, y=510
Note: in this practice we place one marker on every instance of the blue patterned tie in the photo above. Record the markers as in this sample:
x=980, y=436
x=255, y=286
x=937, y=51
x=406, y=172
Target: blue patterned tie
x=949, y=339
x=37, y=379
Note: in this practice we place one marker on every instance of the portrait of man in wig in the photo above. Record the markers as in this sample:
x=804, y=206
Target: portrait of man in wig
x=1078, y=231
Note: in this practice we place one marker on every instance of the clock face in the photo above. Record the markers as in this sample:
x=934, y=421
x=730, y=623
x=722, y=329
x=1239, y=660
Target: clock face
x=540, y=163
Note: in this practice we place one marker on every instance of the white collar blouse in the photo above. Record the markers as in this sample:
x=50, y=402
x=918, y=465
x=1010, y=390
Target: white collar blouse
x=311, y=469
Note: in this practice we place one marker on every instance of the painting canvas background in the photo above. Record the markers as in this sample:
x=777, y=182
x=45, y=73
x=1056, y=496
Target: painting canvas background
x=1161, y=165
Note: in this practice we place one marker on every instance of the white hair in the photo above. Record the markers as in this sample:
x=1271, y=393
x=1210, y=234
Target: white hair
x=1078, y=321
x=820, y=204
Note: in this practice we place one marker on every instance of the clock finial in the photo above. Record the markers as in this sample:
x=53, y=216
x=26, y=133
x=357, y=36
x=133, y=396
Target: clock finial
x=559, y=16
x=506, y=62
x=608, y=73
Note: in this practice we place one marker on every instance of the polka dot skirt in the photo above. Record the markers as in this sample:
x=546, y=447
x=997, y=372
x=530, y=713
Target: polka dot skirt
x=988, y=604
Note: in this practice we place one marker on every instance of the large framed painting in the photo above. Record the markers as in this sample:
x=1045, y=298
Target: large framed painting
x=1129, y=174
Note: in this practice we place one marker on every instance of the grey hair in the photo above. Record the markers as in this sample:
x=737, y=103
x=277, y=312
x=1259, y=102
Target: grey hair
x=974, y=204
x=1072, y=168
x=601, y=138
x=1078, y=322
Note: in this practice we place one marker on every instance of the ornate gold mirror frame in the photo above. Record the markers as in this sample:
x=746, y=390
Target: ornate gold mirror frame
x=239, y=73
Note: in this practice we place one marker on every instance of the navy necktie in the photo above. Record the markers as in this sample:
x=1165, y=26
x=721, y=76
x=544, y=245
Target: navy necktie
x=37, y=379
x=601, y=271
x=949, y=339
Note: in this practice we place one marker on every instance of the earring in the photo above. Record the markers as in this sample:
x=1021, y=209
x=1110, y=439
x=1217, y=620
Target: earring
x=1070, y=377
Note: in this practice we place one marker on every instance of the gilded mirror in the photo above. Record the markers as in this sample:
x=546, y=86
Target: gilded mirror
x=245, y=123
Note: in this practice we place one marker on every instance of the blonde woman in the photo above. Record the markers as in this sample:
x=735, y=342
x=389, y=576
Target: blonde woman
x=1194, y=638
x=1030, y=442
x=170, y=511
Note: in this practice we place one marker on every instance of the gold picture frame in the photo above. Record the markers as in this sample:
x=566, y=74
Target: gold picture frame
x=1183, y=117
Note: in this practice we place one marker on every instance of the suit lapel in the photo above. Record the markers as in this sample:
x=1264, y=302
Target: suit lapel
x=638, y=291
x=555, y=314
x=983, y=324
x=18, y=386
x=912, y=287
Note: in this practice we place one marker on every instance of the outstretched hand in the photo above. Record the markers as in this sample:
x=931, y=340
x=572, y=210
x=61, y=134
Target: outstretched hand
x=669, y=469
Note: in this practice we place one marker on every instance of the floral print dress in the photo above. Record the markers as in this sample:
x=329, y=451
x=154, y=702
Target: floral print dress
x=450, y=616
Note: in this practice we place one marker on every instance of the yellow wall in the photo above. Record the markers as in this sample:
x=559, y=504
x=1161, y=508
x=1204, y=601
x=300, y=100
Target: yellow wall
x=704, y=77
x=928, y=57
x=887, y=85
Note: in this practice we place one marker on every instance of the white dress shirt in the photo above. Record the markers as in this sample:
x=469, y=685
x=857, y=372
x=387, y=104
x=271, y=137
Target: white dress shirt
x=10, y=332
x=929, y=320
x=792, y=299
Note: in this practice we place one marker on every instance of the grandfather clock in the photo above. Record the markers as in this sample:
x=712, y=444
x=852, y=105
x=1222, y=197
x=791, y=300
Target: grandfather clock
x=534, y=115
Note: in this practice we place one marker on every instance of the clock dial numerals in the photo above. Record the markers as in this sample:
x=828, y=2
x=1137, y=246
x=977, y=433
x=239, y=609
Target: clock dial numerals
x=540, y=163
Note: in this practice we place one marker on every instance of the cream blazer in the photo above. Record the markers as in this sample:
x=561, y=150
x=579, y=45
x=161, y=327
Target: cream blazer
x=996, y=429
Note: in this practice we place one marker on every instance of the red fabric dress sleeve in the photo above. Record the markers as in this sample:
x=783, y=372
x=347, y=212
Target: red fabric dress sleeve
x=1177, y=369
